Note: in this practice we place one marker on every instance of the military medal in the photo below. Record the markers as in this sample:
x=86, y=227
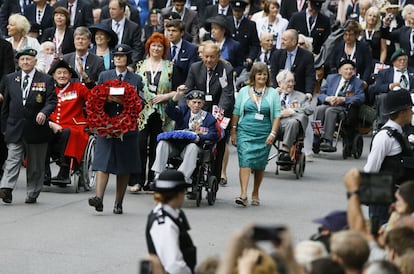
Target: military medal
x=39, y=98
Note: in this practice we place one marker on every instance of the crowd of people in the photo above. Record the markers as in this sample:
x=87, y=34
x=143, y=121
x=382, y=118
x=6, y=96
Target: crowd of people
x=268, y=69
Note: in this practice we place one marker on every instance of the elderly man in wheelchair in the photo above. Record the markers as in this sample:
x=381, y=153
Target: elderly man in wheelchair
x=194, y=127
x=340, y=98
x=294, y=115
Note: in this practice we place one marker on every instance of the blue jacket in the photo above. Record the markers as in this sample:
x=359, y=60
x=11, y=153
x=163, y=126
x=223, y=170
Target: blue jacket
x=354, y=92
x=181, y=116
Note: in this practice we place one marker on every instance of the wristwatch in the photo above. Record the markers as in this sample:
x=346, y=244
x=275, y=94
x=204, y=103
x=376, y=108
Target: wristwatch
x=350, y=193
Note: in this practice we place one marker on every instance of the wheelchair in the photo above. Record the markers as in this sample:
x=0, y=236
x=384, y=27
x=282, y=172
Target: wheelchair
x=297, y=163
x=81, y=174
x=352, y=141
x=202, y=177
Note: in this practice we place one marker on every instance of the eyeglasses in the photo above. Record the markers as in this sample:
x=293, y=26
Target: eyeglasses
x=301, y=43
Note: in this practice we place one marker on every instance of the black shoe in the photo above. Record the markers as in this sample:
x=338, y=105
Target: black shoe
x=97, y=203
x=30, y=200
x=223, y=181
x=147, y=186
x=326, y=145
x=63, y=174
x=117, y=208
x=284, y=156
x=6, y=195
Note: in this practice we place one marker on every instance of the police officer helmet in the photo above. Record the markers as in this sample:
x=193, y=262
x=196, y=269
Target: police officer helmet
x=396, y=101
x=170, y=181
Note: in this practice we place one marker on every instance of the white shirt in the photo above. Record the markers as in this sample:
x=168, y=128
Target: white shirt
x=341, y=83
x=73, y=12
x=120, y=30
x=382, y=146
x=397, y=77
x=277, y=28
x=222, y=8
x=165, y=238
x=177, y=50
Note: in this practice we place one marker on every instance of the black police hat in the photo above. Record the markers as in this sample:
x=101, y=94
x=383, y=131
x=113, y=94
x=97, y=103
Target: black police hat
x=170, y=181
x=316, y=4
x=112, y=35
x=122, y=49
x=62, y=64
x=26, y=51
x=396, y=101
x=171, y=15
x=195, y=94
x=238, y=5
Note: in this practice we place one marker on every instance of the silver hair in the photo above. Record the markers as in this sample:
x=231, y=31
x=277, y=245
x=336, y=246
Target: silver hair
x=282, y=75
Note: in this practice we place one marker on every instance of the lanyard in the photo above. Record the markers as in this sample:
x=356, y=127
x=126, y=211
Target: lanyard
x=154, y=72
x=26, y=90
x=239, y=22
x=310, y=28
x=58, y=42
x=368, y=36
x=208, y=81
x=256, y=98
x=63, y=90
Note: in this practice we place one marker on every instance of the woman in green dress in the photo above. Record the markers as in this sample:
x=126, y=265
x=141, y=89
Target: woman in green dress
x=255, y=123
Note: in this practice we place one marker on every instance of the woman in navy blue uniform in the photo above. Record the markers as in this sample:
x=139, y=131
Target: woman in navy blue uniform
x=113, y=155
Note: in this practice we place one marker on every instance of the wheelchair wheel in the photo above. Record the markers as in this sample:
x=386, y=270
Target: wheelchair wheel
x=88, y=175
x=212, y=190
x=198, y=195
x=357, y=146
x=297, y=169
x=302, y=163
x=75, y=179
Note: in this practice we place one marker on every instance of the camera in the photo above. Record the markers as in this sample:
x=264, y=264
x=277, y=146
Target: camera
x=376, y=189
x=145, y=267
x=267, y=233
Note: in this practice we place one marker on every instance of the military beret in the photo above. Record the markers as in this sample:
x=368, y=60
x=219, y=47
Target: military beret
x=26, y=51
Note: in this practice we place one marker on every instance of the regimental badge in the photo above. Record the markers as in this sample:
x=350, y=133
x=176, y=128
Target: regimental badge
x=17, y=79
x=39, y=98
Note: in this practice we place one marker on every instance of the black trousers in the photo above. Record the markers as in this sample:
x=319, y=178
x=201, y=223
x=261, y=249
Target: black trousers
x=56, y=150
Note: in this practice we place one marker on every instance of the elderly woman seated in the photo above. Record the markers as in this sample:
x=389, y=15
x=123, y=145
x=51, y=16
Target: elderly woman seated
x=294, y=115
x=189, y=118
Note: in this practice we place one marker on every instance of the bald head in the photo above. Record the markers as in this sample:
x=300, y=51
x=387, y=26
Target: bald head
x=290, y=39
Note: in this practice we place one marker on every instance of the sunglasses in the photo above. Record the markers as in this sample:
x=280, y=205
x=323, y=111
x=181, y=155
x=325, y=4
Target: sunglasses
x=301, y=43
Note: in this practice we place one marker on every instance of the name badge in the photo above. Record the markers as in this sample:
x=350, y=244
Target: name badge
x=152, y=88
x=259, y=116
x=209, y=98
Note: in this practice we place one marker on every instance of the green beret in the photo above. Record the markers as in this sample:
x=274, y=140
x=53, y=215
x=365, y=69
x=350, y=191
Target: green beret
x=27, y=51
x=399, y=52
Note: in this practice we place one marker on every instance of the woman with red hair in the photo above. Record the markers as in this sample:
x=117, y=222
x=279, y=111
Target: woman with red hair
x=157, y=77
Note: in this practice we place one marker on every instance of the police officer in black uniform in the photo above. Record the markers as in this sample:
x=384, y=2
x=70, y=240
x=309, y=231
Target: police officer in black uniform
x=390, y=150
x=167, y=226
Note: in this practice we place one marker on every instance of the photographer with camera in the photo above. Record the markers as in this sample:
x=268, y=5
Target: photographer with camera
x=390, y=150
x=403, y=206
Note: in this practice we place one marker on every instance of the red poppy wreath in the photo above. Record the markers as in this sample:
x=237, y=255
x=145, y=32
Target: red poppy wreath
x=113, y=127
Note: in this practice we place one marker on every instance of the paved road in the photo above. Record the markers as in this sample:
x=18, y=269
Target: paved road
x=62, y=234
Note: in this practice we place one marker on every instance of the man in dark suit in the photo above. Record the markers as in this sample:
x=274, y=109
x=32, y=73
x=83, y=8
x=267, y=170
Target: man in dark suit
x=189, y=17
x=128, y=32
x=182, y=53
x=223, y=7
x=87, y=65
x=134, y=14
x=266, y=49
x=80, y=12
x=289, y=7
x=343, y=92
x=312, y=23
x=398, y=76
x=215, y=77
x=244, y=31
x=28, y=100
x=41, y=13
x=295, y=59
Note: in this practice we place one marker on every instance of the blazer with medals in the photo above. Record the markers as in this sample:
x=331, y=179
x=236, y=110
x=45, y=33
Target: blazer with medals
x=319, y=33
x=47, y=19
x=303, y=109
x=67, y=45
x=354, y=93
x=94, y=65
x=18, y=121
x=181, y=115
x=246, y=35
x=131, y=37
x=83, y=13
x=221, y=85
x=386, y=76
x=302, y=67
x=186, y=56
